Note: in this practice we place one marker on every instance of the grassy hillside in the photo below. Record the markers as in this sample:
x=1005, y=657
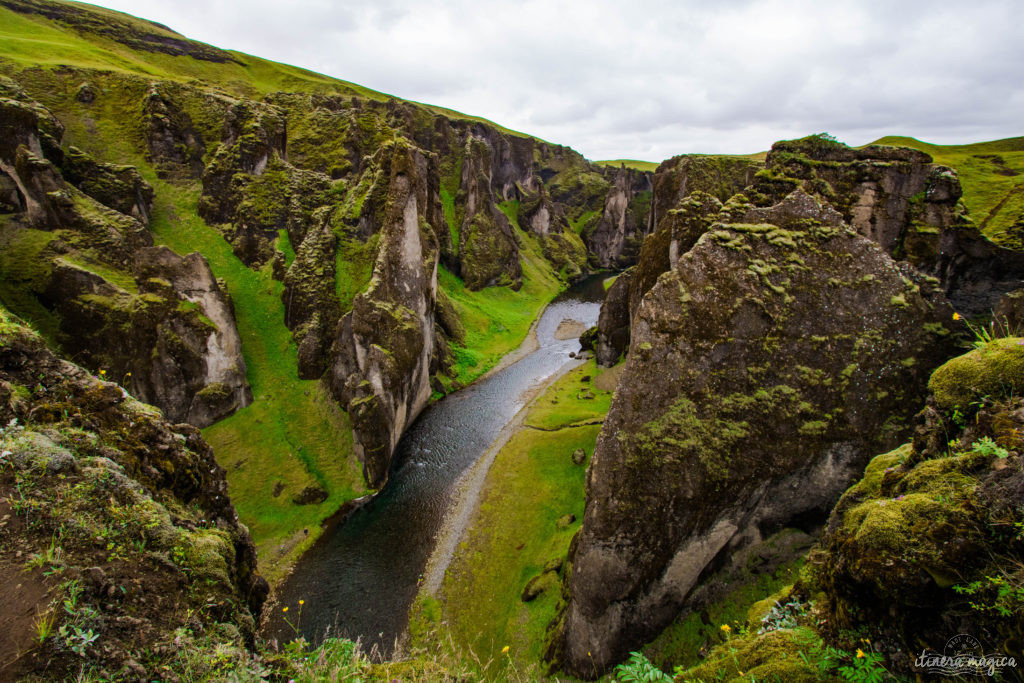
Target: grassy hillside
x=292, y=436
x=28, y=39
x=992, y=175
x=637, y=164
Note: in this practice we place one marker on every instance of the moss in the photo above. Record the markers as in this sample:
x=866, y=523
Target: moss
x=783, y=655
x=994, y=370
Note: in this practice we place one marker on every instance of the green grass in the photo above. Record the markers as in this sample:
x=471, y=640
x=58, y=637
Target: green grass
x=497, y=319
x=636, y=164
x=292, y=436
x=531, y=484
x=30, y=40
x=992, y=176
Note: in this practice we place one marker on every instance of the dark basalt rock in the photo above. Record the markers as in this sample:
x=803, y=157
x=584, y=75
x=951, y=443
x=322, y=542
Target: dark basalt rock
x=488, y=248
x=613, y=322
x=175, y=147
x=908, y=205
x=614, y=242
x=764, y=370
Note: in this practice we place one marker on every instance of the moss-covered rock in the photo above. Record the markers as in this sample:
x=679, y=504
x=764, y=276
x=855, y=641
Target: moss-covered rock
x=897, y=197
x=928, y=543
x=763, y=372
x=995, y=369
x=129, y=511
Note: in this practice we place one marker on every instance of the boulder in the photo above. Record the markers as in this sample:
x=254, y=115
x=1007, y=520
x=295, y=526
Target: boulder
x=763, y=372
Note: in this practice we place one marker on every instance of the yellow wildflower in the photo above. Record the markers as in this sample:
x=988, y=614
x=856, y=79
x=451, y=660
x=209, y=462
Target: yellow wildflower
x=956, y=316
x=284, y=609
x=726, y=628
x=302, y=602
x=504, y=649
x=860, y=654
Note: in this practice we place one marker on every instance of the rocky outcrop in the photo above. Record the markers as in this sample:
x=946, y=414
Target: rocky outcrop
x=613, y=322
x=897, y=197
x=134, y=511
x=615, y=241
x=488, y=247
x=215, y=388
x=927, y=544
x=382, y=355
x=90, y=272
x=764, y=370
x=174, y=146
x=121, y=188
x=678, y=177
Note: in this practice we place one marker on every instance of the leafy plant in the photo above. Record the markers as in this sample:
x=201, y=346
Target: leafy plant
x=986, y=446
x=866, y=668
x=638, y=668
x=76, y=638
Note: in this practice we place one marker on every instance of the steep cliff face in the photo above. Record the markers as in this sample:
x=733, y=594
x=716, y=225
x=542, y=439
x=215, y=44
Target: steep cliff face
x=78, y=256
x=765, y=367
x=384, y=346
x=615, y=240
x=123, y=519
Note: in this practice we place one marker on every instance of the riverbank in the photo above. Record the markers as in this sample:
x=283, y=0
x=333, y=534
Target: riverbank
x=360, y=579
x=517, y=512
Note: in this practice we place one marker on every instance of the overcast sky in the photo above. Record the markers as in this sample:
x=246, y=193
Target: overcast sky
x=649, y=80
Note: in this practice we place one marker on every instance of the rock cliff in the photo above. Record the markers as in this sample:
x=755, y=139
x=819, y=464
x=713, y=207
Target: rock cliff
x=77, y=254
x=765, y=367
x=122, y=518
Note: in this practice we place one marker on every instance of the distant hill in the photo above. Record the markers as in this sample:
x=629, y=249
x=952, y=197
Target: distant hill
x=992, y=175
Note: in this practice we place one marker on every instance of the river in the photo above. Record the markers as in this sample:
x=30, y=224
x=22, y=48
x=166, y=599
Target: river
x=360, y=578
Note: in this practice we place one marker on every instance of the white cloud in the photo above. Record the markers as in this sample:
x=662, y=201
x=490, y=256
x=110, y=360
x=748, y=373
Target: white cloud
x=656, y=79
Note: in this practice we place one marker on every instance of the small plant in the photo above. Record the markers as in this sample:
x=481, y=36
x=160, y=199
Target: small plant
x=1002, y=594
x=997, y=328
x=866, y=668
x=638, y=669
x=782, y=616
x=44, y=626
x=986, y=446
x=76, y=638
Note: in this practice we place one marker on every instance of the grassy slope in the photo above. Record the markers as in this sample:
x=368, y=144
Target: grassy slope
x=531, y=484
x=30, y=40
x=292, y=434
x=637, y=164
x=497, y=319
x=992, y=175
x=302, y=438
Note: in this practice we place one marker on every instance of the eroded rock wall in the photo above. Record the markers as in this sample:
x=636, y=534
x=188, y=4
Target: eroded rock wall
x=765, y=367
x=83, y=258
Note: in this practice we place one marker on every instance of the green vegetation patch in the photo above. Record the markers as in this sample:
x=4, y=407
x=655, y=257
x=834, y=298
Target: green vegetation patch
x=497, y=319
x=521, y=534
x=994, y=369
x=292, y=436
